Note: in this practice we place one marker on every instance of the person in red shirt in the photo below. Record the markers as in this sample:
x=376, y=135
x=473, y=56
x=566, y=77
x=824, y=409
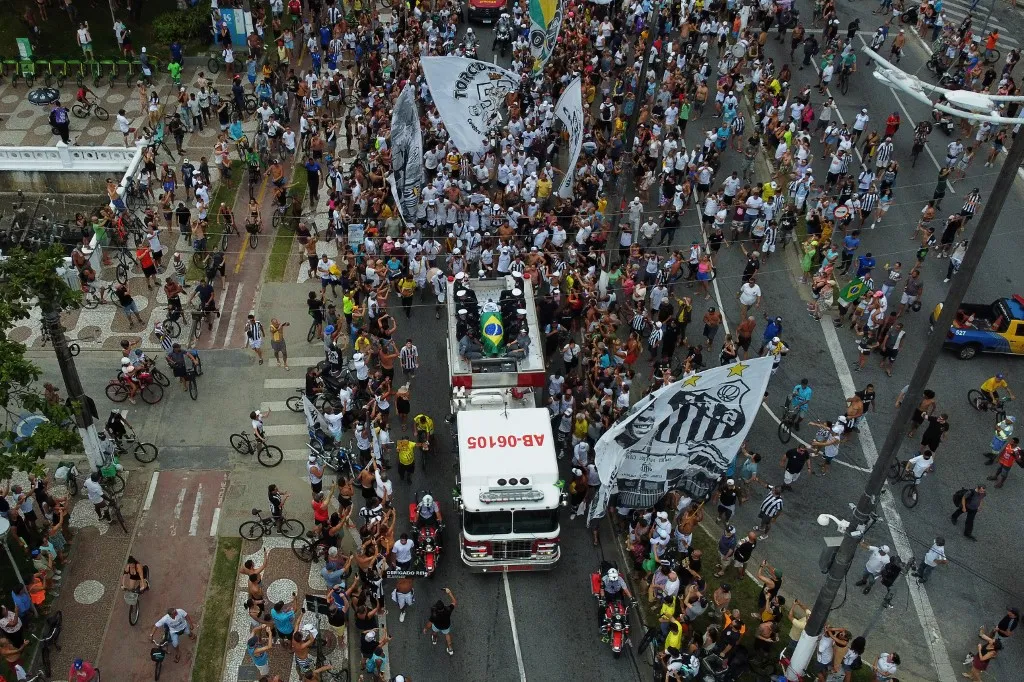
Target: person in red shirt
x=82, y=671
x=145, y=257
x=892, y=124
x=1010, y=454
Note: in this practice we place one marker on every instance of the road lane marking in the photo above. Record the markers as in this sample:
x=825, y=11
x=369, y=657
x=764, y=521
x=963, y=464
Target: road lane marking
x=274, y=406
x=215, y=522
x=294, y=382
x=515, y=632
x=152, y=492
x=296, y=455
x=764, y=406
x=177, y=511
x=286, y=429
x=193, y=526
x=922, y=605
x=234, y=315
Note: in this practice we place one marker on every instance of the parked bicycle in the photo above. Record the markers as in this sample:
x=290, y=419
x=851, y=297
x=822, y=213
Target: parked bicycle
x=266, y=454
x=264, y=525
x=93, y=297
x=73, y=347
x=84, y=110
x=50, y=638
x=309, y=548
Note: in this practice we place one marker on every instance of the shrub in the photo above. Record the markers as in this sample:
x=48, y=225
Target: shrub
x=182, y=25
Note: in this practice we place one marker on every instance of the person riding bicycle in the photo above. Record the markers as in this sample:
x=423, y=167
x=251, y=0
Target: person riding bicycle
x=990, y=388
x=178, y=359
x=276, y=173
x=800, y=400
x=257, y=417
x=117, y=426
x=424, y=426
x=128, y=375
x=254, y=219
x=135, y=576
x=177, y=622
x=83, y=95
x=226, y=218
x=848, y=63
x=82, y=671
x=920, y=465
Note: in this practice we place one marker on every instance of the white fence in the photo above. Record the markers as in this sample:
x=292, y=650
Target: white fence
x=65, y=158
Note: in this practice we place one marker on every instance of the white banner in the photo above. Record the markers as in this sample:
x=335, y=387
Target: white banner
x=570, y=112
x=469, y=94
x=682, y=436
x=545, y=23
x=406, y=177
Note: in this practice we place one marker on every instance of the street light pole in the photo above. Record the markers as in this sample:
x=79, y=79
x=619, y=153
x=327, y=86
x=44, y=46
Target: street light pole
x=895, y=437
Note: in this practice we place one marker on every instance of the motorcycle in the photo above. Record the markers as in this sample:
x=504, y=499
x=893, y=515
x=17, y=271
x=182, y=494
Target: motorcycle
x=943, y=121
x=614, y=614
x=427, y=538
x=910, y=16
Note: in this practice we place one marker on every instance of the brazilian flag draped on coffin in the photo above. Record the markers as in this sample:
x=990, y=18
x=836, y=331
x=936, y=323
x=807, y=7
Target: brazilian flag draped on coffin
x=682, y=436
x=492, y=331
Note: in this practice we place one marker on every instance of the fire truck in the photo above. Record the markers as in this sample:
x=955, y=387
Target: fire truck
x=509, y=490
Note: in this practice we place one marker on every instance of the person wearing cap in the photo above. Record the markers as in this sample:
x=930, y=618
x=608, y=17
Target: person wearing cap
x=878, y=560
x=578, y=490
x=82, y=670
x=727, y=496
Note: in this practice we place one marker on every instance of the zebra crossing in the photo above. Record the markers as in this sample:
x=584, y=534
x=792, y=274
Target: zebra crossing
x=957, y=10
x=286, y=429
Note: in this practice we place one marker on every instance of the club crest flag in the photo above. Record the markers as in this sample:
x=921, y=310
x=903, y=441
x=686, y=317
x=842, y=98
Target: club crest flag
x=469, y=95
x=545, y=23
x=406, y=177
x=681, y=437
x=569, y=111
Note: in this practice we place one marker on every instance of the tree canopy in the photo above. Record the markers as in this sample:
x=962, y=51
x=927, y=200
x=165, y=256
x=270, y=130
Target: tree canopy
x=29, y=279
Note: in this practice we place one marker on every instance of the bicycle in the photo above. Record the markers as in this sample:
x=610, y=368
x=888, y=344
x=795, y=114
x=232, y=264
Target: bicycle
x=131, y=598
x=991, y=56
x=266, y=454
x=93, y=297
x=114, y=513
x=152, y=392
x=981, y=402
x=73, y=347
x=84, y=110
x=844, y=80
x=787, y=423
x=50, y=638
x=309, y=548
x=264, y=525
x=336, y=458
x=898, y=473
x=159, y=652
x=170, y=326
x=143, y=452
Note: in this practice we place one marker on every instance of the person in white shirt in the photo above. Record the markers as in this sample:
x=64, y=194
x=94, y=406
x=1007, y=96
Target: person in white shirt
x=177, y=622
x=403, y=551
x=94, y=491
x=920, y=465
x=878, y=560
x=932, y=558
x=749, y=295
x=124, y=125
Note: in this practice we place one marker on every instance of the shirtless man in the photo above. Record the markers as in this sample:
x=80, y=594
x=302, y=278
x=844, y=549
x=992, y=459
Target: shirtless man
x=924, y=409
x=255, y=578
x=404, y=596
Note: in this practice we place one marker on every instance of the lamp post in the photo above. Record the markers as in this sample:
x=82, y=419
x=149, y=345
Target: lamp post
x=972, y=106
x=5, y=527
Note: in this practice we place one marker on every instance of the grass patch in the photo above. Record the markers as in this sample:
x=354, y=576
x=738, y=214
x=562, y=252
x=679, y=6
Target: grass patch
x=745, y=593
x=217, y=612
x=58, y=39
x=281, y=249
x=226, y=193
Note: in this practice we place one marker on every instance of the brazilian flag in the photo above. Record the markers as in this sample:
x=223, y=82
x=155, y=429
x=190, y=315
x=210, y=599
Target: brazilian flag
x=854, y=290
x=492, y=332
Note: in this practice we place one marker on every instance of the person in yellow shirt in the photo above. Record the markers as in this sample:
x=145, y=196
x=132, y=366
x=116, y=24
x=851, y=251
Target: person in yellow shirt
x=407, y=289
x=990, y=387
x=543, y=187
x=424, y=426
x=768, y=191
x=602, y=204
x=406, y=450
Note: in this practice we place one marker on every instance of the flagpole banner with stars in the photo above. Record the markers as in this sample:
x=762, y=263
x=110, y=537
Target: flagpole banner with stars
x=681, y=437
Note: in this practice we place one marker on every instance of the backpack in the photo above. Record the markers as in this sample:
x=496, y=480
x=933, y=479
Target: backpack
x=959, y=495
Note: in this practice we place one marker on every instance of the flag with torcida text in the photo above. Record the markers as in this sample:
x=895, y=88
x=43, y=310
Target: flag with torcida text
x=681, y=437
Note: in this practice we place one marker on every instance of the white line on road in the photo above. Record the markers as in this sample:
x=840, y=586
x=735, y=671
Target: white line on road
x=286, y=430
x=922, y=605
x=306, y=361
x=515, y=633
x=234, y=315
x=292, y=383
x=764, y=406
x=177, y=511
x=295, y=455
x=274, y=406
x=215, y=522
x=152, y=492
x=193, y=526
x=213, y=332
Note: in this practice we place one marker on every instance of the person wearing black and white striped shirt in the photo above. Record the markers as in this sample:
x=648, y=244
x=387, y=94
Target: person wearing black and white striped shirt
x=640, y=321
x=409, y=356
x=883, y=155
x=771, y=509
x=254, y=336
x=654, y=340
x=971, y=203
x=868, y=202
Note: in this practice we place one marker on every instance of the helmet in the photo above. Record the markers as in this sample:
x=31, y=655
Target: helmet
x=1011, y=419
x=1000, y=376
x=125, y=362
x=427, y=500
x=776, y=339
x=613, y=574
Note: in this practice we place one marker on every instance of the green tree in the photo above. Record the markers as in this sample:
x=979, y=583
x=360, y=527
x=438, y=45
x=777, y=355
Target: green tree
x=30, y=279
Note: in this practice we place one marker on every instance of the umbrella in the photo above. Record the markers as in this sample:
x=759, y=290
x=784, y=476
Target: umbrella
x=43, y=96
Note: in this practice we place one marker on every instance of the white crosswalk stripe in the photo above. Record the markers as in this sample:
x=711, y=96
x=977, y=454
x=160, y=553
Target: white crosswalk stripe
x=956, y=11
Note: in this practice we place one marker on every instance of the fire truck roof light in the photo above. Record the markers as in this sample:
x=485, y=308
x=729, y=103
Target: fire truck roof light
x=503, y=495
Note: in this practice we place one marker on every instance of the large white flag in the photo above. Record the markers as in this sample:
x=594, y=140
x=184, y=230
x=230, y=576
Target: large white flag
x=469, y=94
x=682, y=436
x=406, y=154
x=570, y=112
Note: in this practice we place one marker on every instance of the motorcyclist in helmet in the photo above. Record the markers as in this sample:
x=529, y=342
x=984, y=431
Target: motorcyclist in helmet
x=613, y=588
x=428, y=512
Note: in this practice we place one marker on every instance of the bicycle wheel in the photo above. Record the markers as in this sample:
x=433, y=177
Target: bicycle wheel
x=161, y=378
x=80, y=110
x=193, y=387
x=303, y=549
x=241, y=444
x=74, y=349
x=269, y=455
x=909, y=495
x=896, y=471
x=115, y=484
x=224, y=241
x=90, y=300
x=251, y=530
x=292, y=528
x=250, y=104
x=100, y=113
x=785, y=430
x=122, y=273
x=976, y=400
x=171, y=328
x=254, y=239
x=197, y=258
x=117, y=392
x=275, y=221
x=153, y=393
x=156, y=671
x=145, y=452
x=844, y=84
x=213, y=64
x=311, y=334
x=133, y=613
x=294, y=403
